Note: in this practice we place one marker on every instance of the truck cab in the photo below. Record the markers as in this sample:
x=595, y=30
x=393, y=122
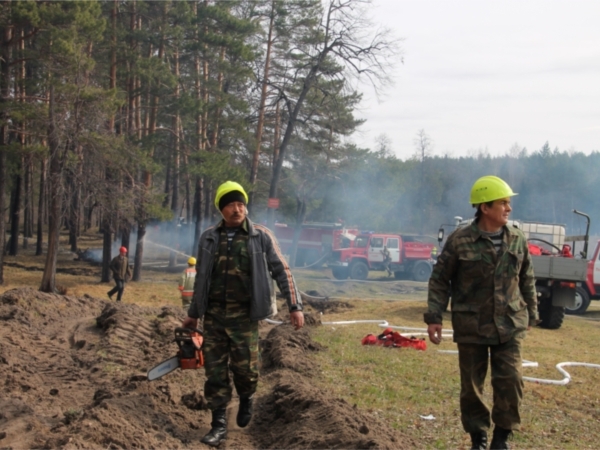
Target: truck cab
x=366, y=253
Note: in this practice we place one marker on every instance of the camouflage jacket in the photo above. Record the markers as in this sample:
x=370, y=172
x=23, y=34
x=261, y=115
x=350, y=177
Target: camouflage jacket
x=493, y=295
x=231, y=278
x=266, y=263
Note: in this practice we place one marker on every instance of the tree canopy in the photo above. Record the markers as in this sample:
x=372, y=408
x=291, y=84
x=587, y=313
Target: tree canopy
x=120, y=114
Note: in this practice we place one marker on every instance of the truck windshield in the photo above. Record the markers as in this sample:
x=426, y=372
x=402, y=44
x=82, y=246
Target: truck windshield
x=377, y=242
x=361, y=241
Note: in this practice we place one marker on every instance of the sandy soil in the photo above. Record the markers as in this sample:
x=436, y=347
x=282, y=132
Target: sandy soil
x=73, y=374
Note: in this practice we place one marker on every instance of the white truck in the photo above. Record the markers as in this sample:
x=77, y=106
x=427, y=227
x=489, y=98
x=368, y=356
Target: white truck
x=559, y=274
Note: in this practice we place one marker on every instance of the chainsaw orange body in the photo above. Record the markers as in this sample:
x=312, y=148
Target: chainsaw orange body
x=190, y=348
x=189, y=355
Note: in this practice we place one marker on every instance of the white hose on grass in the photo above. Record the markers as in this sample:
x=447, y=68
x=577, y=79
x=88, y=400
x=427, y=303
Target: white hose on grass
x=423, y=332
x=382, y=323
x=567, y=376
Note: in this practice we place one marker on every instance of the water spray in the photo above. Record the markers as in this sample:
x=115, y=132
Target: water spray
x=166, y=247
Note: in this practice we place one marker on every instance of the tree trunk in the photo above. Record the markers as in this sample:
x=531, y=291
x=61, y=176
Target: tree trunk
x=2, y=189
x=199, y=183
x=139, y=253
x=15, y=214
x=113, y=58
x=207, y=203
x=219, y=95
x=27, y=160
x=41, y=202
x=261, y=110
x=49, y=277
x=74, y=207
x=198, y=188
x=106, y=249
x=28, y=200
x=176, y=170
x=5, y=57
x=271, y=211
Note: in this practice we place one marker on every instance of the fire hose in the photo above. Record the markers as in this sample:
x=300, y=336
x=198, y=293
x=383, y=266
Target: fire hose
x=318, y=261
x=448, y=333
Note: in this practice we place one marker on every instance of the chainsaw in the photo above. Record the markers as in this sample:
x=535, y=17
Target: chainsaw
x=189, y=355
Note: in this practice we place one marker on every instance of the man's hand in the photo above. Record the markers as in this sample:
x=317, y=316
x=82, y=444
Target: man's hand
x=190, y=322
x=297, y=319
x=435, y=332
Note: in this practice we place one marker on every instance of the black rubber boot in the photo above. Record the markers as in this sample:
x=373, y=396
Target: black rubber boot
x=479, y=441
x=218, y=432
x=499, y=439
x=245, y=412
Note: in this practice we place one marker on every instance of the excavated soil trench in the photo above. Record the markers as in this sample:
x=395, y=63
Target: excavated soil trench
x=74, y=376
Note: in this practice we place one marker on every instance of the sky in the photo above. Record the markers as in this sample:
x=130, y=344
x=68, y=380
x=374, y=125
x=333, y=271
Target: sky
x=482, y=76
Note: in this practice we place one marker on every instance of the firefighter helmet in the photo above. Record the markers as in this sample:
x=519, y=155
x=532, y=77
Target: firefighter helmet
x=490, y=188
x=122, y=250
x=192, y=261
x=226, y=188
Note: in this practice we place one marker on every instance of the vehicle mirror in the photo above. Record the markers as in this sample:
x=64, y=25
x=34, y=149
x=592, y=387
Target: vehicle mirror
x=440, y=235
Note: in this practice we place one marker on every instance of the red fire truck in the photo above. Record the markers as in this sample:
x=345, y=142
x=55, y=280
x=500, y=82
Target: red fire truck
x=410, y=257
x=317, y=239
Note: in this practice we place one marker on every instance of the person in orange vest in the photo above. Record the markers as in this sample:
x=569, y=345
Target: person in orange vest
x=186, y=283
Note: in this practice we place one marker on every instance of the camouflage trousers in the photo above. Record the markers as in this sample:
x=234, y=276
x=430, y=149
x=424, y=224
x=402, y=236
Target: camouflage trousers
x=507, y=385
x=230, y=345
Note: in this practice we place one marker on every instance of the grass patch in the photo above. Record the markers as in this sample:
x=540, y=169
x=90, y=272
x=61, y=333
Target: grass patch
x=400, y=385
x=156, y=288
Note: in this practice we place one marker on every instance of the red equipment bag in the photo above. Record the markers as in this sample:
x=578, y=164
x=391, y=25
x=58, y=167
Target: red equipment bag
x=391, y=338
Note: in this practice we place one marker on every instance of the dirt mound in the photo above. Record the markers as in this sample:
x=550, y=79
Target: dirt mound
x=286, y=348
x=298, y=415
x=328, y=306
x=74, y=375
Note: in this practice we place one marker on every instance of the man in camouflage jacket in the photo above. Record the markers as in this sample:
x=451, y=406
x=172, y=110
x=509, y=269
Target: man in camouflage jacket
x=121, y=271
x=236, y=263
x=486, y=269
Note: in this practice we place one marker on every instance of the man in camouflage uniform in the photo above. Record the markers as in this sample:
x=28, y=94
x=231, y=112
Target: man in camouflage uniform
x=233, y=291
x=487, y=269
x=121, y=271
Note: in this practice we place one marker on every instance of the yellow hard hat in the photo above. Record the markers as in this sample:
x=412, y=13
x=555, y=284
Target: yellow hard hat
x=490, y=188
x=192, y=261
x=226, y=188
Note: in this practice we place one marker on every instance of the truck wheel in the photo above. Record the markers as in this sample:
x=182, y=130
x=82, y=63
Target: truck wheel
x=359, y=271
x=552, y=317
x=339, y=273
x=582, y=301
x=421, y=271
